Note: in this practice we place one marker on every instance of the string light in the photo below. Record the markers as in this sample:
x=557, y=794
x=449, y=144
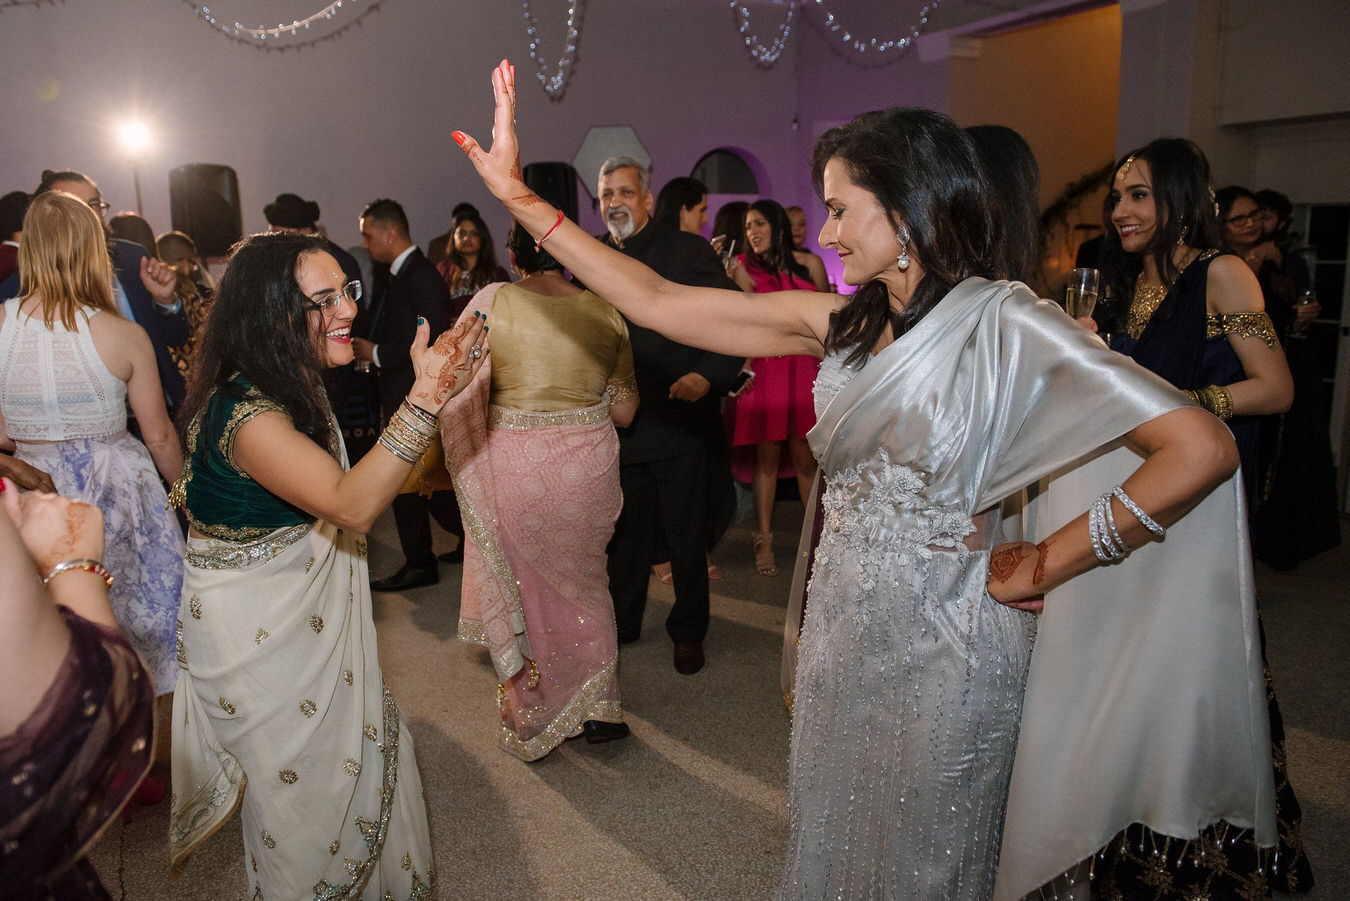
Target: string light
x=13, y=4
x=258, y=37
x=556, y=84
x=765, y=56
x=863, y=46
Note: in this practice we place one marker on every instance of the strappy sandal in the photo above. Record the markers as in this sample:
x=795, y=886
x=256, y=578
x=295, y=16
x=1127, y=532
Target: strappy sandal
x=764, y=562
x=661, y=573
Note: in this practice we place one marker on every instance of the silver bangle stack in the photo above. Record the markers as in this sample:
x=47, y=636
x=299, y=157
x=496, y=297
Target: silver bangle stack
x=410, y=432
x=1107, y=542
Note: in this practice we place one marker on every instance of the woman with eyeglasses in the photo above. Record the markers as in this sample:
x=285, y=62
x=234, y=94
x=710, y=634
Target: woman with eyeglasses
x=72, y=366
x=280, y=685
x=1195, y=316
x=470, y=262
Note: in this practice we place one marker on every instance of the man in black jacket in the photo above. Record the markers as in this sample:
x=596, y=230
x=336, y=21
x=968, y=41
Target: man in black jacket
x=666, y=457
x=386, y=329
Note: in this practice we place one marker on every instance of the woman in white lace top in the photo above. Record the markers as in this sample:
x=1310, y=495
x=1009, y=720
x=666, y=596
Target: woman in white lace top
x=69, y=367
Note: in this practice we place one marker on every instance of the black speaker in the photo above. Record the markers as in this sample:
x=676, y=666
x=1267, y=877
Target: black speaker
x=556, y=183
x=204, y=203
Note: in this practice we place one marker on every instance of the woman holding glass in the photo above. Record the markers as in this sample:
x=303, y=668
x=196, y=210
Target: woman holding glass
x=941, y=393
x=281, y=688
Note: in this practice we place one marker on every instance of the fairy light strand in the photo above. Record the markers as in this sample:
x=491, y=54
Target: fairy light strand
x=274, y=39
x=555, y=83
x=864, y=46
x=762, y=54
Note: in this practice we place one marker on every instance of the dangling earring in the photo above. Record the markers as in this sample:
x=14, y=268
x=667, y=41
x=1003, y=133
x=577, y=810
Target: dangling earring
x=902, y=235
x=1185, y=233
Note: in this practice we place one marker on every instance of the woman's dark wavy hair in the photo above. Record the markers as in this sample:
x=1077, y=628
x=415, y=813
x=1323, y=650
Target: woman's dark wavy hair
x=1185, y=215
x=923, y=170
x=259, y=326
x=1224, y=198
x=779, y=256
x=1015, y=180
x=679, y=194
x=484, y=271
x=730, y=221
x=529, y=256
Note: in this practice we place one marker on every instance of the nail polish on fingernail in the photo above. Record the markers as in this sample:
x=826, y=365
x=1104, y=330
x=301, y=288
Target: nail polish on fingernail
x=459, y=137
x=476, y=314
x=421, y=321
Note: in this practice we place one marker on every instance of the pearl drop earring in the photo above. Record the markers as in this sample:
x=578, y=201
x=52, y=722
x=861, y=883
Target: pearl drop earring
x=902, y=260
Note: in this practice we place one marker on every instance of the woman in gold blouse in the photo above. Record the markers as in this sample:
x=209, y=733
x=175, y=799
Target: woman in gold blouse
x=534, y=455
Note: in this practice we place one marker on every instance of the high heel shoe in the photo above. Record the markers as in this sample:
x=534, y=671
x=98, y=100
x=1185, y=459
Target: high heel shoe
x=764, y=562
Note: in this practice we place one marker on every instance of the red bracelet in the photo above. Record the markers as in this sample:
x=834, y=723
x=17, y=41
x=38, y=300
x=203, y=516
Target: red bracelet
x=84, y=564
x=556, y=222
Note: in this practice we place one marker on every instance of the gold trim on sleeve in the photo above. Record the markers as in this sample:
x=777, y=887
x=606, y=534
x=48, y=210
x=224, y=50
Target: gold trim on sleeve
x=1243, y=325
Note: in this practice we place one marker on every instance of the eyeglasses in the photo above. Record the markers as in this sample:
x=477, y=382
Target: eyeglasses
x=1244, y=219
x=329, y=300
x=99, y=205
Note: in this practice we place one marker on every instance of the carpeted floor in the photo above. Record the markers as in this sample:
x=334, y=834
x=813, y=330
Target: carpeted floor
x=693, y=805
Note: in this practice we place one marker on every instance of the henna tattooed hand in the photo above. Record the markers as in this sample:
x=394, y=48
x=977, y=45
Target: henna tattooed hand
x=1017, y=575
x=55, y=528
x=446, y=367
x=499, y=166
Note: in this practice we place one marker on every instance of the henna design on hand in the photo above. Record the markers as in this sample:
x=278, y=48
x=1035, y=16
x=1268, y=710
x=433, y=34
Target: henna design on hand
x=528, y=199
x=1005, y=562
x=1038, y=575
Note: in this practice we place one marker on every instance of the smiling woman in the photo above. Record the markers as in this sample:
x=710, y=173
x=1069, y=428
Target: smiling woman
x=280, y=684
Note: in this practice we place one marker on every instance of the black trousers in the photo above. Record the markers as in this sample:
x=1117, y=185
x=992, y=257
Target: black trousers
x=412, y=514
x=669, y=495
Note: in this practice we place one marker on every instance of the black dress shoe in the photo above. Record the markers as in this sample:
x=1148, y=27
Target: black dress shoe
x=455, y=556
x=688, y=657
x=598, y=731
x=408, y=577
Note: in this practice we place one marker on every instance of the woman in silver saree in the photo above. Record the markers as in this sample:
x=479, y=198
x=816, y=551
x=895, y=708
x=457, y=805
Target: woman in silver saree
x=942, y=392
x=281, y=710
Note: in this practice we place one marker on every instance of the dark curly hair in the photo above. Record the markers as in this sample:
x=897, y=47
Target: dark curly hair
x=923, y=170
x=259, y=326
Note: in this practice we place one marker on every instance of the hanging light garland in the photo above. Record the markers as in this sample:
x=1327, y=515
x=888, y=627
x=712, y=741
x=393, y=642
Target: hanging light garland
x=12, y=4
x=764, y=55
x=555, y=84
x=864, y=46
x=259, y=37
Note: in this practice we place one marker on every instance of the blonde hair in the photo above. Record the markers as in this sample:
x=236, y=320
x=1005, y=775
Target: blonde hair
x=63, y=258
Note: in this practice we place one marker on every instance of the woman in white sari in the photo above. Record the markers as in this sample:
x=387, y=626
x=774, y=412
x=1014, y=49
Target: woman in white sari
x=940, y=393
x=281, y=709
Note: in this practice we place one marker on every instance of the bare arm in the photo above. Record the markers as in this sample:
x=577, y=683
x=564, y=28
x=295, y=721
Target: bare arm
x=146, y=396
x=729, y=322
x=1188, y=453
x=815, y=267
x=1268, y=387
x=290, y=465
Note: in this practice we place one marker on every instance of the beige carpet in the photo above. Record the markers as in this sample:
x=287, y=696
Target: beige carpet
x=692, y=806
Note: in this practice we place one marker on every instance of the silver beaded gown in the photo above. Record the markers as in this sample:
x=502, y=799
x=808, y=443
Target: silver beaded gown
x=909, y=677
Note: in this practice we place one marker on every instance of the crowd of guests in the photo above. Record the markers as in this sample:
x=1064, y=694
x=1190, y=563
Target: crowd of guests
x=586, y=441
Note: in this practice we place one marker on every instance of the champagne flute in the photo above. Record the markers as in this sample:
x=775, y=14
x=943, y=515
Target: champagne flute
x=1081, y=292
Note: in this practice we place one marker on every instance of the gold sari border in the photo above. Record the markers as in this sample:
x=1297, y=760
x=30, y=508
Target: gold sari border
x=250, y=553
x=472, y=631
x=586, y=704
x=523, y=420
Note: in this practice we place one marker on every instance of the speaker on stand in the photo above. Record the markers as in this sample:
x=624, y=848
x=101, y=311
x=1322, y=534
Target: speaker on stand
x=556, y=183
x=204, y=203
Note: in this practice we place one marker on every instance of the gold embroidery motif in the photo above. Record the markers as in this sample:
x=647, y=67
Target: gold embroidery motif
x=472, y=631
x=309, y=563
x=178, y=645
x=351, y=767
x=195, y=607
x=268, y=840
x=621, y=391
x=407, y=861
x=333, y=846
x=249, y=406
x=262, y=633
x=308, y=707
x=254, y=862
x=361, y=547
x=519, y=420
x=1244, y=325
x=354, y=867
x=1147, y=299
x=288, y=776
x=587, y=704
x=316, y=623
x=370, y=733
x=226, y=706
x=348, y=676
x=242, y=555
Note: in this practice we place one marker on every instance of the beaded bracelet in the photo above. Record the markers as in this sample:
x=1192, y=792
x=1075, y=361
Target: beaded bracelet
x=83, y=564
x=1147, y=521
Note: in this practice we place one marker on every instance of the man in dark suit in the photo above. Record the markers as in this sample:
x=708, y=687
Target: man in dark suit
x=667, y=457
x=145, y=286
x=385, y=331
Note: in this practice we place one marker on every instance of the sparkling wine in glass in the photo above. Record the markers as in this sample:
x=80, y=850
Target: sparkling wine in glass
x=1081, y=293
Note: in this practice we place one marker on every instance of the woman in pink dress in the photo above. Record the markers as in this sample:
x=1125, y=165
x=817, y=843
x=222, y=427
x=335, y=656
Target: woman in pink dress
x=777, y=409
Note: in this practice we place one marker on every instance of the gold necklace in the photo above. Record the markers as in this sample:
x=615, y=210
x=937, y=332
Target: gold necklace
x=1147, y=298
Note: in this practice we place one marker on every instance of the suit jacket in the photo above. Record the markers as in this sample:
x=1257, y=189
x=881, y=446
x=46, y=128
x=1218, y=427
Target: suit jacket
x=165, y=328
x=391, y=321
x=666, y=428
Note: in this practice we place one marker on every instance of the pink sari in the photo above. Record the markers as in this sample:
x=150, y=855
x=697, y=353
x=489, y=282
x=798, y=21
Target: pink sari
x=539, y=494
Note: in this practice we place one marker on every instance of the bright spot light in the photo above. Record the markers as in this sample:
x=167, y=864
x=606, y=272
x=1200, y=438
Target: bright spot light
x=135, y=135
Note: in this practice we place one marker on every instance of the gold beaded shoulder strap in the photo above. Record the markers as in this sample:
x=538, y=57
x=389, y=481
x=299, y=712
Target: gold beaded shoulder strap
x=1244, y=325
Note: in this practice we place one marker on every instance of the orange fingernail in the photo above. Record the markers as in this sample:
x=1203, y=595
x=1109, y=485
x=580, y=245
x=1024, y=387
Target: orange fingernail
x=460, y=137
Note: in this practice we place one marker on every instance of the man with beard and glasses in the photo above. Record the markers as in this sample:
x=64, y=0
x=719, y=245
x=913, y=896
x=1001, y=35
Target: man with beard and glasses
x=672, y=458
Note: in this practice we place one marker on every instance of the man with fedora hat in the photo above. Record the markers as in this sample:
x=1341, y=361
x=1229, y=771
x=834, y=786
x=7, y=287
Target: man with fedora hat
x=292, y=213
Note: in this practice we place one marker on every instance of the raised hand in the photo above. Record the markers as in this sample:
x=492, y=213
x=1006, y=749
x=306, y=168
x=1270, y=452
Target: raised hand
x=159, y=279
x=499, y=165
x=447, y=367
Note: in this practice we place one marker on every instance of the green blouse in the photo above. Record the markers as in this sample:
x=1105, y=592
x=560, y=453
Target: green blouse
x=221, y=500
